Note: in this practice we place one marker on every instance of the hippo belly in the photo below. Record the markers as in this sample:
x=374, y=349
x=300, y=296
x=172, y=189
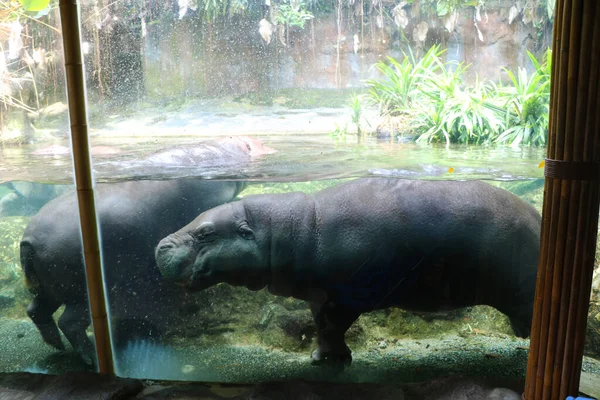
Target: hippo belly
x=367, y=244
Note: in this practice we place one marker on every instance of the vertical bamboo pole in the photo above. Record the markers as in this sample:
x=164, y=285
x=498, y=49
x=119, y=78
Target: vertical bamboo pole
x=570, y=214
x=69, y=17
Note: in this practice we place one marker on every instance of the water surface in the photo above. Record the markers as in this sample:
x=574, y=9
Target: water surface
x=298, y=158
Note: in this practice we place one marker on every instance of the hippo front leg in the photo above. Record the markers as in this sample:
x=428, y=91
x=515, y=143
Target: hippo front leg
x=332, y=322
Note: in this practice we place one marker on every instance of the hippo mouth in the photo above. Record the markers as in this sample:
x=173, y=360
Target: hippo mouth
x=199, y=280
x=173, y=262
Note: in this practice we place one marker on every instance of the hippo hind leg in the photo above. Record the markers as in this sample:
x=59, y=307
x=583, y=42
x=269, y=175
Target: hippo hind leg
x=332, y=322
x=73, y=323
x=40, y=311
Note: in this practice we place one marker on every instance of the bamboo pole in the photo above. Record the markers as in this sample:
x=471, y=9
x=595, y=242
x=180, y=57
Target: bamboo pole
x=83, y=180
x=570, y=213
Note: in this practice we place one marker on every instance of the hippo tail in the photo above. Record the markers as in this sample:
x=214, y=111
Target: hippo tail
x=27, y=255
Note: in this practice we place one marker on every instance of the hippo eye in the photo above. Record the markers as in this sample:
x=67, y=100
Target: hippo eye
x=245, y=231
x=205, y=231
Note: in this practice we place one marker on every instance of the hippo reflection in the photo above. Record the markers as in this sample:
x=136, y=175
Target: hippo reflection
x=368, y=244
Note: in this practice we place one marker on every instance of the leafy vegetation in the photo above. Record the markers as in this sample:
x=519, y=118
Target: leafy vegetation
x=397, y=92
x=528, y=104
x=441, y=108
x=288, y=15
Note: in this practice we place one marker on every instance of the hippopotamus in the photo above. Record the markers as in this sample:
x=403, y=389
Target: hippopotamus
x=133, y=216
x=238, y=148
x=367, y=244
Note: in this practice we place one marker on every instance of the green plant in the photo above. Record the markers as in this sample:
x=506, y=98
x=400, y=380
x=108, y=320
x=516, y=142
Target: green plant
x=528, y=104
x=340, y=133
x=356, y=117
x=356, y=114
x=441, y=108
x=455, y=113
x=398, y=90
x=287, y=15
x=444, y=7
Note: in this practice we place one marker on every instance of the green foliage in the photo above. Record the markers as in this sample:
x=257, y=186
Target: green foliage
x=34, y=5
x=398, y=91
x=442, y=109
x=288, y=16
x=340, y=133
x=214, y=10
x=357, y=113
x=457, y=114
x=444, y=7
x=528, y=104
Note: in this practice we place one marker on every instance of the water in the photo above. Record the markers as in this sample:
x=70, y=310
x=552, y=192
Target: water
x=298, y=158
x=231, y=334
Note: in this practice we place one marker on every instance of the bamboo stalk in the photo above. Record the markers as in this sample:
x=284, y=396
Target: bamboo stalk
x=553, y=306
x=556, y=45
x=561, y=83
x=571, y=211
x=571, y=334
x=536, y=325
x=592, y=151
x=584, y=281
x=557, y=216
x=570, y=270
x=561, y=193
x=572, y=261
x=590, y=222
x=83, y=180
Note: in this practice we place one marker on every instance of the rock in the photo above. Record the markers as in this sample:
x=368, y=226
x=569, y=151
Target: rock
x=503, y=394
x=6, y=301
x=289, y=329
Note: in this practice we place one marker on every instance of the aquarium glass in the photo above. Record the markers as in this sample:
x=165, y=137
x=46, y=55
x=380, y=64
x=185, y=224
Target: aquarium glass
x=194, y=104
x=36, y=169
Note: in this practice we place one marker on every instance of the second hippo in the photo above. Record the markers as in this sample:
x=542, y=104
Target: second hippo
x=368, y=244
x=133, y=216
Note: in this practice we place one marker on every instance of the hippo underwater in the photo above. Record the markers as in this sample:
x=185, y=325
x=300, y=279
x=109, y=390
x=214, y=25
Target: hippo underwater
x=368, y=244
x=133, y=216
x=26, y=198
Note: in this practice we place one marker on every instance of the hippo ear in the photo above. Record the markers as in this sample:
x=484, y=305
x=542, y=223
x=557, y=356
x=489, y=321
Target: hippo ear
x=245, y=231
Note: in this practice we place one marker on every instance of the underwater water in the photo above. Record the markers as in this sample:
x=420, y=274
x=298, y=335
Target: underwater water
x=226, y=332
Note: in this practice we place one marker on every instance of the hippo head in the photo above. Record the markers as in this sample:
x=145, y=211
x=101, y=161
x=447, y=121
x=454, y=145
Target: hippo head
x=218, y=246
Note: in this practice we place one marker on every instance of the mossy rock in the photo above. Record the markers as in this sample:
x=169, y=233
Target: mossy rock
x=532, y=191
x=14, y=296
x=592, y=336
x=290, y=330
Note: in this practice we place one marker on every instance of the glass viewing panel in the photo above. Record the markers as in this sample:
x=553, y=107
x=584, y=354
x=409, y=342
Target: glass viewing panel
x=43, y=298
x=200, y=104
